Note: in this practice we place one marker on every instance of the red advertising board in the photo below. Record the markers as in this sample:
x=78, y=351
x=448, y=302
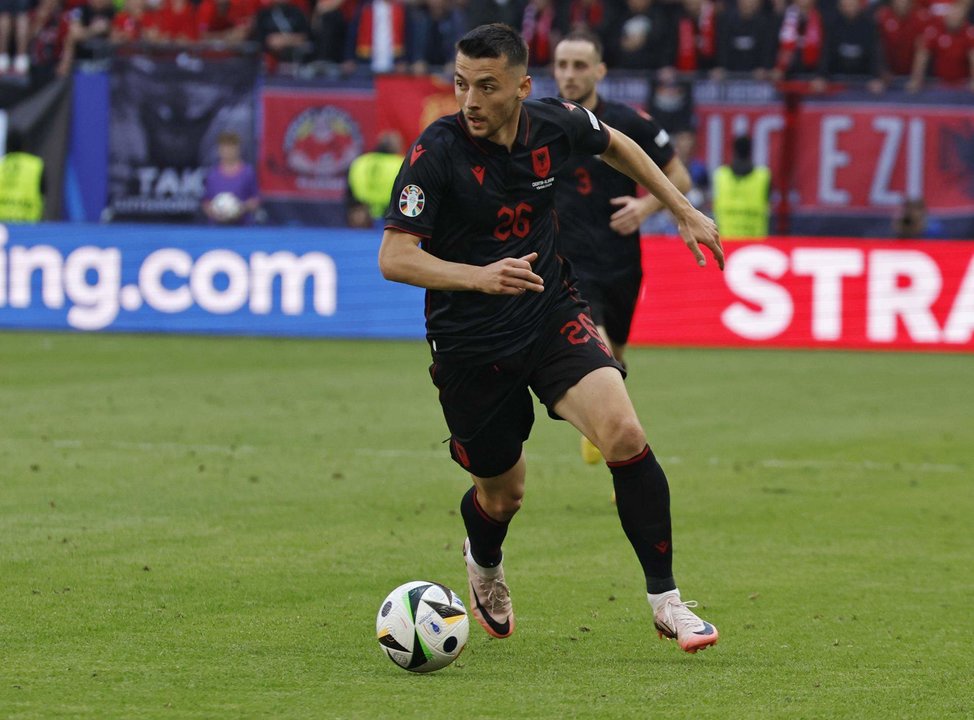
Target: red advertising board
x=309, y=138
x=810, y=293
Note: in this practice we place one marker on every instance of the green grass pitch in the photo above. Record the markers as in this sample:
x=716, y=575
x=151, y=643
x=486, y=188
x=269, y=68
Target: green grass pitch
x=204, y=528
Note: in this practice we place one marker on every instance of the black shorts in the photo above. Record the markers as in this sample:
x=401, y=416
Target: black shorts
x=488, y=407
x=613, y=302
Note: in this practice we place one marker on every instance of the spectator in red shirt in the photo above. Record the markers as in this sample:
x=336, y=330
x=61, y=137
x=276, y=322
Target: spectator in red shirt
x=589, y=15
x=178, y=22
x=539, y=30
x=800, y=41
x=947, y=50
x=135, y=23
x=901, y=25
x=696, y=47
x=228, y=20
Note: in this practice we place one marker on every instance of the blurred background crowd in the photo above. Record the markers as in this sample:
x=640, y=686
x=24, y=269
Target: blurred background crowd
x=911, y=42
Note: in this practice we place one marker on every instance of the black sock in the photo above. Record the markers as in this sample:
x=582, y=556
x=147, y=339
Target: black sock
x=643, y=503
x=486, y=535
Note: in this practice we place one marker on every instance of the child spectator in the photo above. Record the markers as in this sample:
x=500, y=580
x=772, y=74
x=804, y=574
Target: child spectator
x=901, y=25
x=234, y=176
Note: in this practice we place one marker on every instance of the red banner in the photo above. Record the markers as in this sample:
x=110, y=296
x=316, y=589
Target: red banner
x=309, y=138
x=855, y=160
x=810, y=293
x=408, y=104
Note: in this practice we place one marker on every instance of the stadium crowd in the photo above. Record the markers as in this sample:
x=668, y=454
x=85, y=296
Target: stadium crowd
x=822, y=40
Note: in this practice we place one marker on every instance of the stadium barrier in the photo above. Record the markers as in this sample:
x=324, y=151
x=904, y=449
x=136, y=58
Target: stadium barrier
x=810, y=293
x=261, y=281
x=795, y=292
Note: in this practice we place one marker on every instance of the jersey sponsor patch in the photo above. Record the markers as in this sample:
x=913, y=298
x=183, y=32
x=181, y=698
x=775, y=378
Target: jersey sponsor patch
x=411, y=200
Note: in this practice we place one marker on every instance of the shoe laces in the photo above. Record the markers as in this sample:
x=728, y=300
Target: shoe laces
x=498, y=594
x=678, y=613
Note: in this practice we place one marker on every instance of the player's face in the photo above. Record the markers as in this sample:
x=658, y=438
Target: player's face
x=578, y=69
x=490, y=92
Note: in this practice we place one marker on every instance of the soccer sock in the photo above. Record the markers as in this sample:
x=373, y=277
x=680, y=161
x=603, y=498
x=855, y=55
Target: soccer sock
x=643, y=503
x=486, y=535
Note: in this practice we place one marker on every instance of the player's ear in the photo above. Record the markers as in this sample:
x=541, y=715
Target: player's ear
x=524, y=87
x=601, y=71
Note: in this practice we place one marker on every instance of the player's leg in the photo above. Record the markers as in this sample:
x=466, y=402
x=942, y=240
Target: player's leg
x=490, y=414
x=599, y=406
x=487, y=510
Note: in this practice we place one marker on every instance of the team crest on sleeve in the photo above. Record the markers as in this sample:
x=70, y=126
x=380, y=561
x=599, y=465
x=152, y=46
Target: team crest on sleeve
x=411, y=200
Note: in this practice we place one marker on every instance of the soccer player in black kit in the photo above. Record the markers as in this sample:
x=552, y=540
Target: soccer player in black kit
x=599, y=211
x=472, y=220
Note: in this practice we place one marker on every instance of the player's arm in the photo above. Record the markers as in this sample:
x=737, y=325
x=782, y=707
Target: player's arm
x=634, y=210
x=401, y=259
x=697, y=229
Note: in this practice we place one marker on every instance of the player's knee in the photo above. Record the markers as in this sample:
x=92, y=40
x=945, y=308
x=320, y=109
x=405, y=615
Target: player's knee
x=625, y=438
x=502, y=505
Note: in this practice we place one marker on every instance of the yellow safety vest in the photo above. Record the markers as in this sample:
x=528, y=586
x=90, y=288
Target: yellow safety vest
x=20, y=187
x=741, y=203
x=371, y=177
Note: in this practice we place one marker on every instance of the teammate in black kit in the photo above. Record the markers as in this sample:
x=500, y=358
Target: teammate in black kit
x=472, y=219
x=598, y=208
x=599, y=211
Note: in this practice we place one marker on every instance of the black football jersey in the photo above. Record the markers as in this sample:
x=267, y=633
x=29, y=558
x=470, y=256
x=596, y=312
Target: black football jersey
x=473, y=201
x=585, y=186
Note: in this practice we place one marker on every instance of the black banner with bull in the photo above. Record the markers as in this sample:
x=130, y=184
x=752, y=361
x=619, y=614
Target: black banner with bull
x=167, y=111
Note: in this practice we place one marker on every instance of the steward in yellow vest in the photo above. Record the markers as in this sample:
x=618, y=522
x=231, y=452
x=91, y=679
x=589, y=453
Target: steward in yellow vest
x=741, y=195
x=372, y=174
x=371, y=177
x=21, y=186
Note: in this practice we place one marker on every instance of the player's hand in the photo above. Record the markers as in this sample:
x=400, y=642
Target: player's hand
x=697, y=229
x=627, y=219
x=510, y=276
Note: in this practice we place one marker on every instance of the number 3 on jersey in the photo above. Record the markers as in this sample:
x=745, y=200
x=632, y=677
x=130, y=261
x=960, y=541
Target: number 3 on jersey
x=516, y=221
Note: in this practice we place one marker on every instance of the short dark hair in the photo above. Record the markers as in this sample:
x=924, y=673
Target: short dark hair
x=742, y=147
x=228, y=137
x=586, y=35
x=495, y=41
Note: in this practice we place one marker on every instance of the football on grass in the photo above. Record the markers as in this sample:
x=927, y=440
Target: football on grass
x=422, y=626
